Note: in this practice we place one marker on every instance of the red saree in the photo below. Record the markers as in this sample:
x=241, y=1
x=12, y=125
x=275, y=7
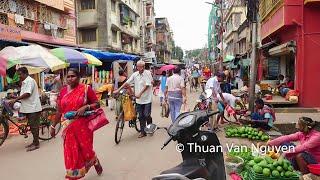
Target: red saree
x=78, y=138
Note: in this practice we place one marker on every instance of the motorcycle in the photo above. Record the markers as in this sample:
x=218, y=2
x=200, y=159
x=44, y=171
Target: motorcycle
x=201, y=164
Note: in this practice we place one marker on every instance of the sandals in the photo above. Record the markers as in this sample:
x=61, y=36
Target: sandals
x=142, y=135
x=98, y=167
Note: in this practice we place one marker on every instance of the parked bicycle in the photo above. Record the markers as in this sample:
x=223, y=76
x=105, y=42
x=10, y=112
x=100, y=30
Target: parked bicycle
x=6, y=118
x=134, y=123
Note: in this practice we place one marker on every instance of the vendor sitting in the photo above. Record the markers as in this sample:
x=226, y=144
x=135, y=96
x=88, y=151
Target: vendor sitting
x=263, y=116
x=285, y=87
x=308, y=151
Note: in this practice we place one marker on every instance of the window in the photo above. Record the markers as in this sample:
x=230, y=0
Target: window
x=114, y=36
x=87, y=4
x=113, y=6
x=88, y=35
x=237, y=20
x=273, y=68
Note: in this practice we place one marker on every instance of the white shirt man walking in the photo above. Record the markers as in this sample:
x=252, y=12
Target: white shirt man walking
x=30, y=105
x=142, y=80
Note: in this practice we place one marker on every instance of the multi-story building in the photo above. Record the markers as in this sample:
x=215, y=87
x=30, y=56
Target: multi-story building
x=164, y=40
x=39, y=21
x=234, y=17
x=290, y=42
x=149, y=31
x=112, y=25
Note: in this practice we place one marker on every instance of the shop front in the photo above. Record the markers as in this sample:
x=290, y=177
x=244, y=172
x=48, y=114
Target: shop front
x=290, y=36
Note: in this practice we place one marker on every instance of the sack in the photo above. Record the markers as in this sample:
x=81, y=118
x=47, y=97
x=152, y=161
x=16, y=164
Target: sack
x=97, y=120
x=292, y=93
x=165, y=111
x=128, y=109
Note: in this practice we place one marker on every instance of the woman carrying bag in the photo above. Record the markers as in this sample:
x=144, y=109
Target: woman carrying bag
x=175, y=93
x=75, y=100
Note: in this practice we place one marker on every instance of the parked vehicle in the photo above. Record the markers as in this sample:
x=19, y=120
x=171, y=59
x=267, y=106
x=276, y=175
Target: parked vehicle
x=196, y=164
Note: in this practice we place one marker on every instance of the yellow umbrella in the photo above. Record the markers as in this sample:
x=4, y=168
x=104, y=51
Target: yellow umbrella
x=92, y=60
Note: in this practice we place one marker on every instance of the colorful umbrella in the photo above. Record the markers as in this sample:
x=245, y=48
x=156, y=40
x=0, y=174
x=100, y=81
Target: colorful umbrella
x=69, y=55
x=167, y=67
x=92, y=60
x=33, y=55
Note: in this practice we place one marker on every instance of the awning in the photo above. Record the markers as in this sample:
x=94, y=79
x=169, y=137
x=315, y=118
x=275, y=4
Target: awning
x=110, y=57
x=310, y=1
x=245, y=62
x=283, y=49
x=228, y=58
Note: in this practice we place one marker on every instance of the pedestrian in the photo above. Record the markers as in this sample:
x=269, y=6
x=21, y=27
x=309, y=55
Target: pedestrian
x=57, y=83
x=163, y=82
x=79, y=155
x=142, y=80
x=118, y=83
x=214, y=84
x=30, y=105
x=175, y=94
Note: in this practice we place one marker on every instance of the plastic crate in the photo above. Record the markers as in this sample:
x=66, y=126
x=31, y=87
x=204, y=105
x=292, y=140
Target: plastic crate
x=255, y=176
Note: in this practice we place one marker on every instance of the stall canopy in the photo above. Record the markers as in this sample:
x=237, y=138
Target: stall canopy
x=110, y=57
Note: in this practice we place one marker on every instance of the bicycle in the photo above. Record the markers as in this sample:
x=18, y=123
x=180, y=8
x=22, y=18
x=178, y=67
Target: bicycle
x=6, y=117
x=134, y=123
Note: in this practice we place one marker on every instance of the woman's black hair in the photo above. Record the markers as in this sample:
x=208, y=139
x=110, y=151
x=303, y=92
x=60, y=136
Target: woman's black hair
x=259, y=101
x=164, y=73
x=177, y=70
x=121, y=72
x=76, y=71
x=308, y=122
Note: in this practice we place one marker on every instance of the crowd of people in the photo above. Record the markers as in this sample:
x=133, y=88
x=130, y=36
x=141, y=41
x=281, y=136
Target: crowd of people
x=79, y=155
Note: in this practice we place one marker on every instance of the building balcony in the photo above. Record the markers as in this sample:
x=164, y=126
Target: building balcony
x=268, y=7
x=276, y=14
x=87, y=18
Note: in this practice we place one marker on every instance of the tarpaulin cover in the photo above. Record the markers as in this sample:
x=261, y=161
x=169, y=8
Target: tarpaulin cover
x=110, y=57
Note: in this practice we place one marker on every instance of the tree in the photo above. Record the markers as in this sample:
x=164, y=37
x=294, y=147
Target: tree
x=177, y=53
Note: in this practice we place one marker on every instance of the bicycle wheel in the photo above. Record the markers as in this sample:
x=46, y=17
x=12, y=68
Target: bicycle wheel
x=137, y=125
x=4, y=131
x=46, y=119
x=119, y=129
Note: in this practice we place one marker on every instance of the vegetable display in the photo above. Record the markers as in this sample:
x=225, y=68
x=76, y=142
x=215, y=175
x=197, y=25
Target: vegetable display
x=246, y=132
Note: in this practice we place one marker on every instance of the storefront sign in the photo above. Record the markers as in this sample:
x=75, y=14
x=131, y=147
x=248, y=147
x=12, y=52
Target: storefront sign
x=10, y=33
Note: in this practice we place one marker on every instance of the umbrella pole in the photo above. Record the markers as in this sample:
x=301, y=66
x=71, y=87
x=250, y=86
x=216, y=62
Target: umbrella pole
x=92, y=78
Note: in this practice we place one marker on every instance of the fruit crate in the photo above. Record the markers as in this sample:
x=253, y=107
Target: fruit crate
x=255, y=176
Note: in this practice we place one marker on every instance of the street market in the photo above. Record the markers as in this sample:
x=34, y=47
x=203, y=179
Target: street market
x=159, y=89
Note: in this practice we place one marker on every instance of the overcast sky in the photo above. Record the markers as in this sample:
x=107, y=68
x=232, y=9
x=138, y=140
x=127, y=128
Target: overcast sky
x=188, y=20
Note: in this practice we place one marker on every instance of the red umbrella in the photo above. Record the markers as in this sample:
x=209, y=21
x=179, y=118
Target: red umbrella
x=167, y=67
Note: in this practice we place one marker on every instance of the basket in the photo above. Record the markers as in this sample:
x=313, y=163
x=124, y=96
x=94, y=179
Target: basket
x=231, y=166
x=255, y=176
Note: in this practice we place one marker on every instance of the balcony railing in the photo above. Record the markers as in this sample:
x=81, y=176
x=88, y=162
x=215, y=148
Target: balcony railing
x=266, y=7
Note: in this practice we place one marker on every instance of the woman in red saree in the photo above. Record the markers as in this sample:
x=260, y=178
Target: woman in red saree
x=79, y=156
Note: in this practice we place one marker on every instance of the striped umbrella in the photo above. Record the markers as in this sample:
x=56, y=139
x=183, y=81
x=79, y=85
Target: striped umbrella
x=69, y=55
x=92, y=60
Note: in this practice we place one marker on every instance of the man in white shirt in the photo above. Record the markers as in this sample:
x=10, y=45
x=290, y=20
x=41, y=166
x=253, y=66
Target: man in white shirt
x=30, y=105
x=142, y=80
x=214, y=84
x=231, y=101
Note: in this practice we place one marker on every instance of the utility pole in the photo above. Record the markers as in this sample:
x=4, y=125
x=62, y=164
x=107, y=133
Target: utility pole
x=252, y=17
x=222, y=28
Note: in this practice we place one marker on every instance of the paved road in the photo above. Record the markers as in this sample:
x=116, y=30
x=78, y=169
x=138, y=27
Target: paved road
x=133, y=158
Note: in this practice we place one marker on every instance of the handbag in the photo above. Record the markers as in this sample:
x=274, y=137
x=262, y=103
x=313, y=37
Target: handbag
x=97, y=120
x=165, y=111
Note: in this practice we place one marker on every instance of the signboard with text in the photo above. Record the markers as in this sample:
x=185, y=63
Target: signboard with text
x=10, y=33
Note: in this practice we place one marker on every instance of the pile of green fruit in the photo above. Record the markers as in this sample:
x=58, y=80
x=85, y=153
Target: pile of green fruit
x=246, y=132
x=269, y=167
x=246, y=155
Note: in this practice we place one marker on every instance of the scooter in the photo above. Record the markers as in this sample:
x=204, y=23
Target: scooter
x=202, y=157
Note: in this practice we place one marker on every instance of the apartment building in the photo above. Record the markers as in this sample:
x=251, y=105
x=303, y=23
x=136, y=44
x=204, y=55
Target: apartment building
x=112, y=25
x=149, y=31
x=40, y=21
x=163, y=40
